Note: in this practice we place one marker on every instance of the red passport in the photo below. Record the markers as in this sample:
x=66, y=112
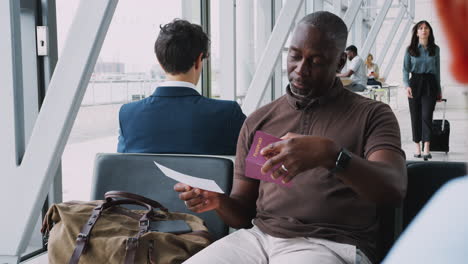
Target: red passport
x=255, y=160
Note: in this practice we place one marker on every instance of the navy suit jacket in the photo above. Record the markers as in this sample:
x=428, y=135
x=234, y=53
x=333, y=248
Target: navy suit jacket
x=180, y=120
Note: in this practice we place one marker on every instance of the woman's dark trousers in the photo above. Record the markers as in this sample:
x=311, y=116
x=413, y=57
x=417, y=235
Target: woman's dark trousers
x=421, y=110
x=424, y=91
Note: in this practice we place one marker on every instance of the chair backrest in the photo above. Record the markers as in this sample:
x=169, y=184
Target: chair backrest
x=387, y=230
x=138, y=174
x=424, y=179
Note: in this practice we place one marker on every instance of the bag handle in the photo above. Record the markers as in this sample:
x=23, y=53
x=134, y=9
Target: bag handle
x=110, y=202
x=82, y=239
x=135, y=197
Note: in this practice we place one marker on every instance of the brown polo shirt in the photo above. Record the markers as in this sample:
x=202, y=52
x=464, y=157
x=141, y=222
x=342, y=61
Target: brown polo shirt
x=319, y=204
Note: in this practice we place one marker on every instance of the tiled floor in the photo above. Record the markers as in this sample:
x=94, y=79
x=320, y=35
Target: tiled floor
x=456, y=113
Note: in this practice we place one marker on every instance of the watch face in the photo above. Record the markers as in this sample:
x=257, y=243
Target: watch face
x=343, y=159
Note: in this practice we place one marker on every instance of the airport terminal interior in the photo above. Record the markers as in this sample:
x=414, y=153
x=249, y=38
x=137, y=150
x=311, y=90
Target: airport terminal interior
x=68, y=66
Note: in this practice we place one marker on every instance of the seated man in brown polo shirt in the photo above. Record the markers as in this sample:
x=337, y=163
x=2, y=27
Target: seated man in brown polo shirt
x=341, y=151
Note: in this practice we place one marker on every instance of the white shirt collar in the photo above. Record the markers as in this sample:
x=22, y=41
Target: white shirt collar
x=178, y=83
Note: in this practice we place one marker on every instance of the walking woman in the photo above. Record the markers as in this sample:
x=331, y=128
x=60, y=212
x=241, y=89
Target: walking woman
x=423, y=89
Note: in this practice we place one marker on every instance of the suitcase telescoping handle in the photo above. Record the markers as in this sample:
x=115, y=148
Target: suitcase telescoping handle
x=443, y=113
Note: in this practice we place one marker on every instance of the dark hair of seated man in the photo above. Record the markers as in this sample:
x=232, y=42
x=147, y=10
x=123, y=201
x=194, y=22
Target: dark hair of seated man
x=179, y=44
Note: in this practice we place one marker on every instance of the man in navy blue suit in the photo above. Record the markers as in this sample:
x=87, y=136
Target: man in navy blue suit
x=176, y=118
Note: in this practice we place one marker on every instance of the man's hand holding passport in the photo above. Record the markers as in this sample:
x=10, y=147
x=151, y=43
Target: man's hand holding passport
x=255, y=160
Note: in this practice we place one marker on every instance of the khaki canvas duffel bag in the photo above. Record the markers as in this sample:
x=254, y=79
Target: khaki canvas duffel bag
x=106, y=232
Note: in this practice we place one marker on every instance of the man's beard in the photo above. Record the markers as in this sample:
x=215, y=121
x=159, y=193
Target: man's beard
x=313, y=92
x=299, y=93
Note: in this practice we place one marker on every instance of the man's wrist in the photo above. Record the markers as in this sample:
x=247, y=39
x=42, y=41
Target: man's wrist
x=222, y=201
x=333, y=154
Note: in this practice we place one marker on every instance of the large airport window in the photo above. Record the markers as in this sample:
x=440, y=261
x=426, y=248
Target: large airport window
x=126, y=70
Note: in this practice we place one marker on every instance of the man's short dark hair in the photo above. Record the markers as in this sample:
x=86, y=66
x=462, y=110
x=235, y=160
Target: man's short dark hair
x=330, y=24
x=179, y=44
x=352, y=48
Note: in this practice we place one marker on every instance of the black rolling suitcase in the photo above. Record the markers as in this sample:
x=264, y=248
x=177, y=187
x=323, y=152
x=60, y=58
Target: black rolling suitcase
x=440, y=133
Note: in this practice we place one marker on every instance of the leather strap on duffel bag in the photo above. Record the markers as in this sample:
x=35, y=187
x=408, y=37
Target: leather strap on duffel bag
x=121, y=235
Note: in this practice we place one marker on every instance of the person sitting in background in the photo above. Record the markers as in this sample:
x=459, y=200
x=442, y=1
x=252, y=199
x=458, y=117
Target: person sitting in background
x=439, y=233
x=356, y=71
x=372, y=71
x=176, y=118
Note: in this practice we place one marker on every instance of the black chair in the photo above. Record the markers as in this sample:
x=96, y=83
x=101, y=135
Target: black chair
x=389, y=229
x=424, y=179
x=138, y=174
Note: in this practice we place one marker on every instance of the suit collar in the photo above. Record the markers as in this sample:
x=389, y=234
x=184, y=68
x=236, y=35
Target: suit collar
x=175, y=91
x=178, y=84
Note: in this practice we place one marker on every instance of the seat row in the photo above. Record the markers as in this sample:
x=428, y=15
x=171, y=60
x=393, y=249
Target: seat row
x=137, y=173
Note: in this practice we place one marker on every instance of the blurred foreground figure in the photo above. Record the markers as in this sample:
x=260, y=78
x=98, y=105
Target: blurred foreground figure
x=439, y=234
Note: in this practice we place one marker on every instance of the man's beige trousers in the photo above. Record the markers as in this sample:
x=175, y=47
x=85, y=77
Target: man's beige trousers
x=252, y=246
